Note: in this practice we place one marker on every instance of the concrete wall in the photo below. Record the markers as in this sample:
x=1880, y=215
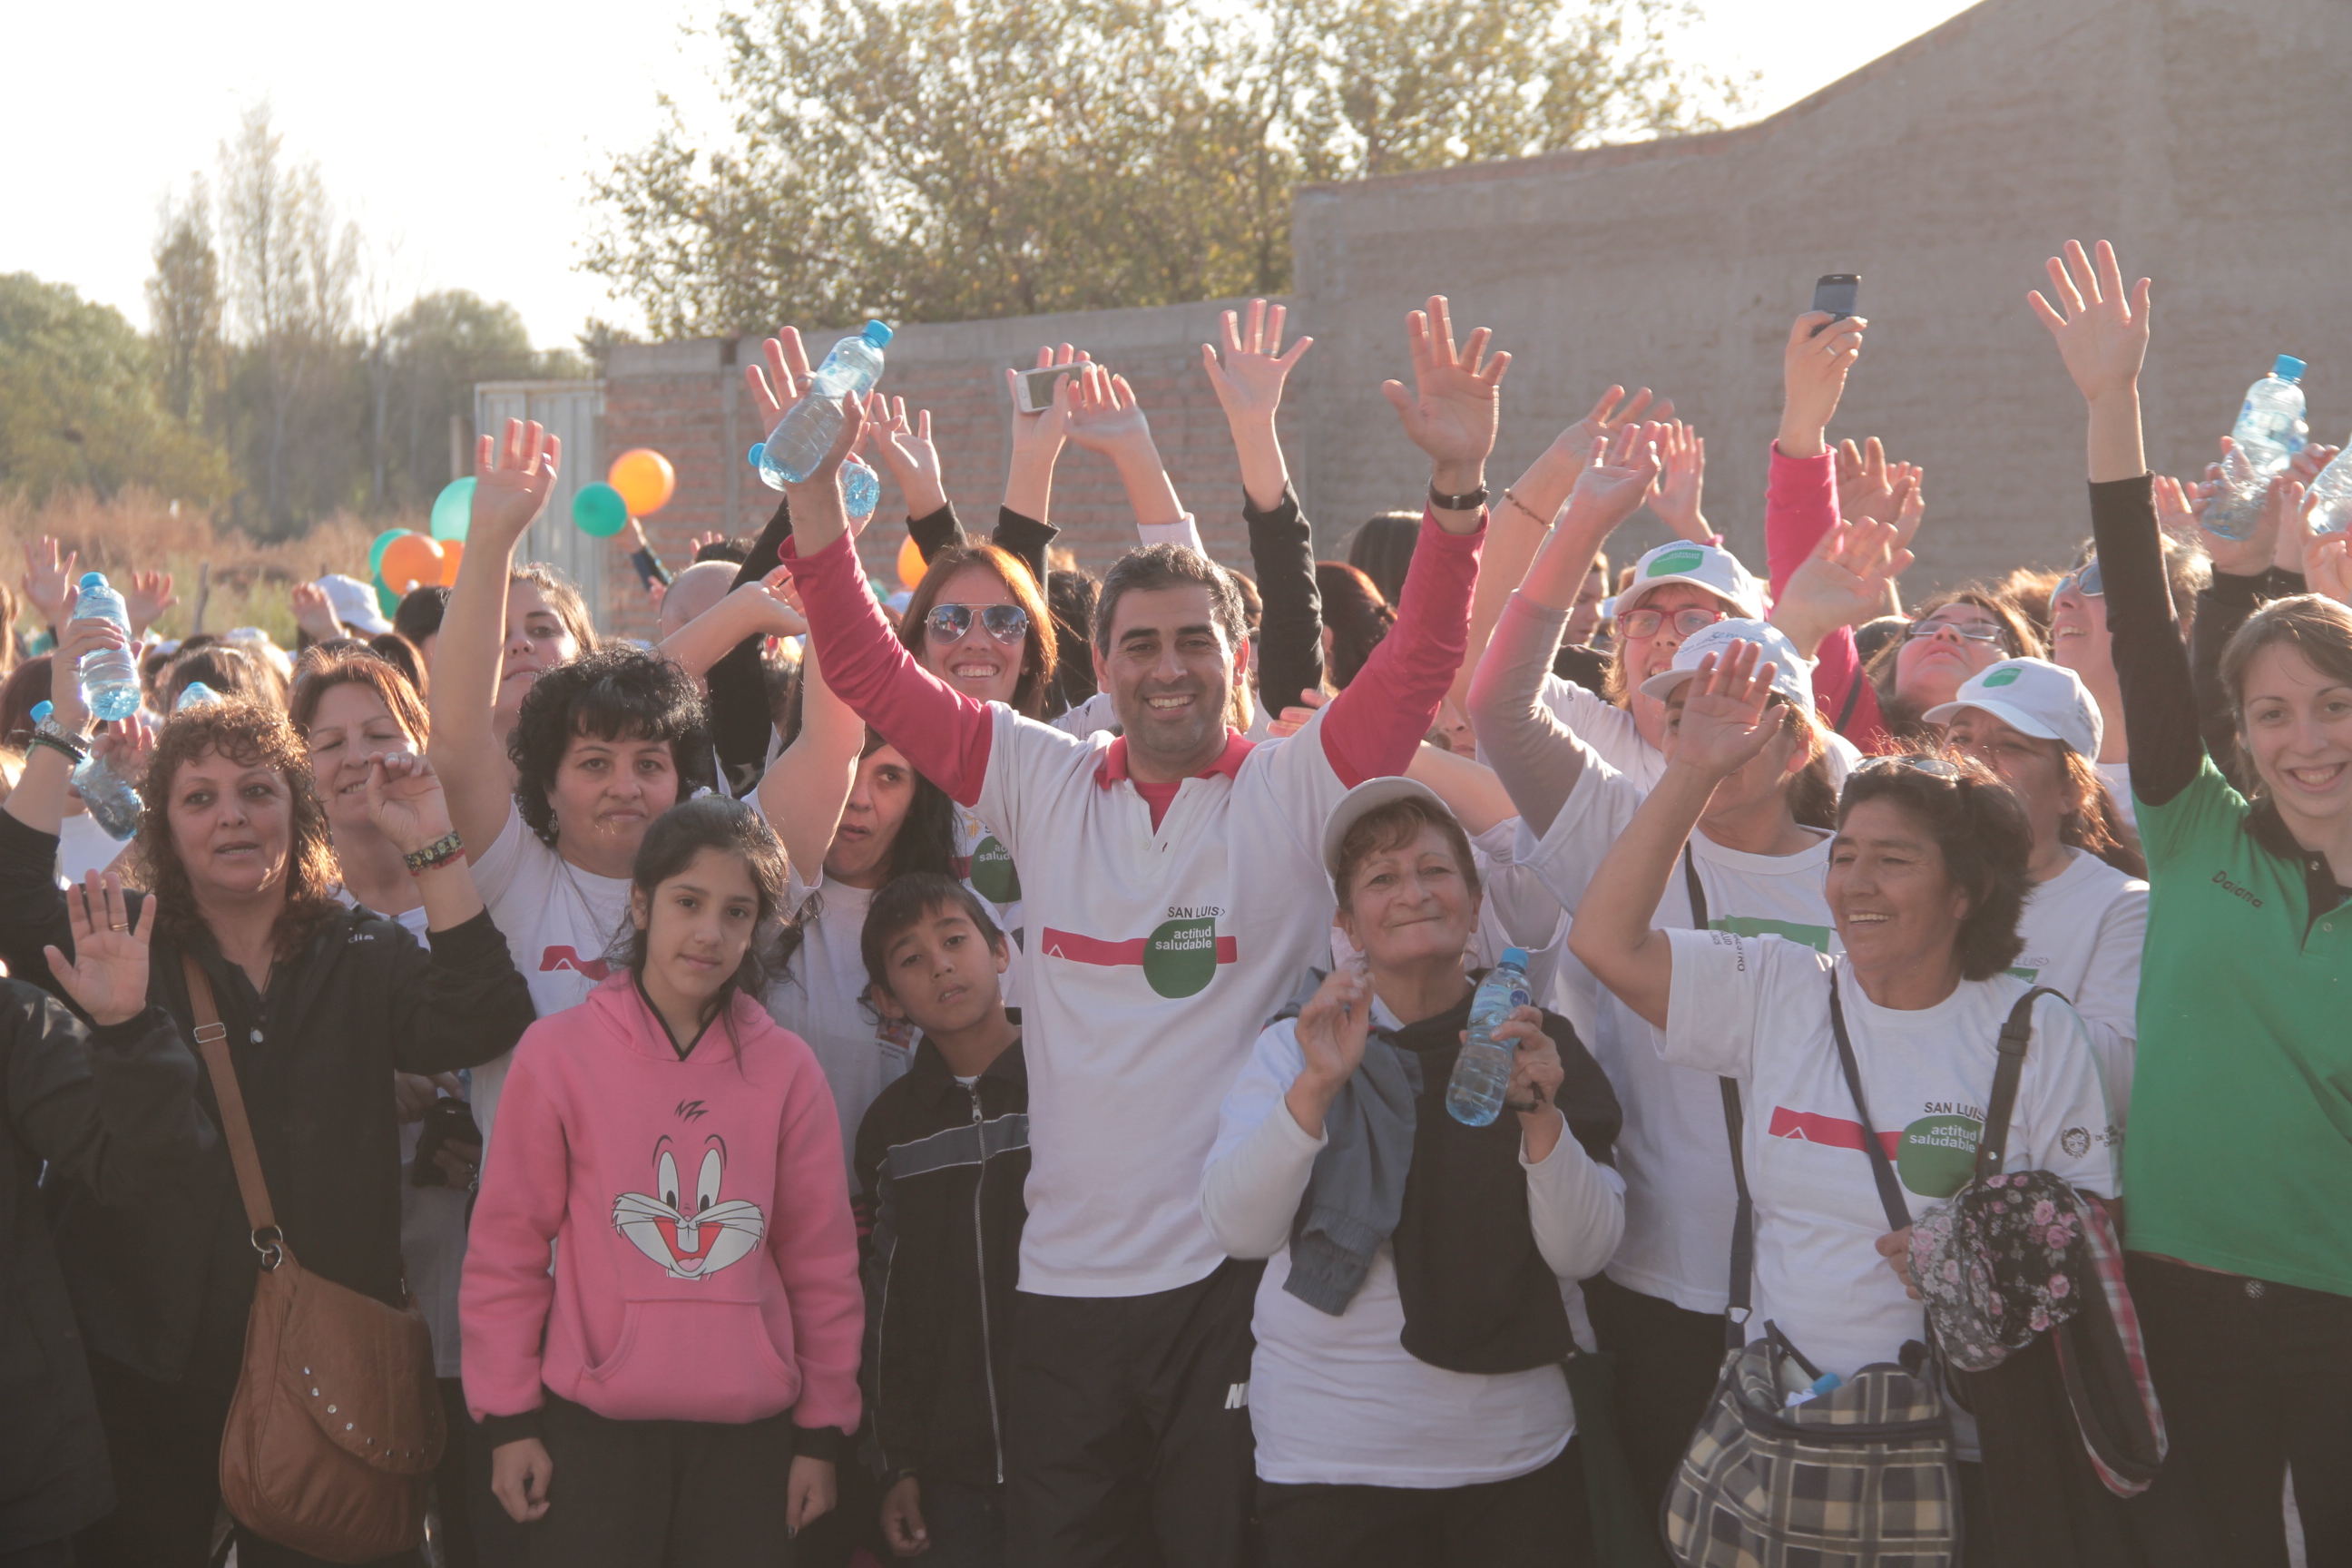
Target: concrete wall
x=2200, y=135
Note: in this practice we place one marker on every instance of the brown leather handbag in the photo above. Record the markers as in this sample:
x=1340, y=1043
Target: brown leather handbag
x=336, y=1423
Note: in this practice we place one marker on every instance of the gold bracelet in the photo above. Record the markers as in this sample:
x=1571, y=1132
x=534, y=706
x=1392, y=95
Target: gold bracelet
x=1524, y=507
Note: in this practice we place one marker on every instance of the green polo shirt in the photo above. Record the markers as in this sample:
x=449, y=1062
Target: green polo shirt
x=2240, y=1155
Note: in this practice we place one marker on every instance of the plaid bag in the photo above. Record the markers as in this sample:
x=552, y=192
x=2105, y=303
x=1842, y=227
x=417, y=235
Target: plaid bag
x=1860, y=1477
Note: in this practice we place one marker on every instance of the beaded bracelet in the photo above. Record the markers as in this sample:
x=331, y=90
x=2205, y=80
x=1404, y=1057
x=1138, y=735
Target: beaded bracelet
x=435, y=854
x=64, y=750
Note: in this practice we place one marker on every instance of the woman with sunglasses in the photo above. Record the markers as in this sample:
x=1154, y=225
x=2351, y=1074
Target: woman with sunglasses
x=1926, y=877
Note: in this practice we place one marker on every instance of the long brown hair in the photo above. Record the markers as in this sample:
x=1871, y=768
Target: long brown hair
x=250, y=735
x=563, y=596
x=2313, y=625
x=1038, y=649
x=2096, y=824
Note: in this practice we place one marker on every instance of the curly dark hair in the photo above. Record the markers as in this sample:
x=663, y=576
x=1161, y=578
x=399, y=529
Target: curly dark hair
x=617, y=692
x=731, y=827
x=1979, y=825
x=250, y=735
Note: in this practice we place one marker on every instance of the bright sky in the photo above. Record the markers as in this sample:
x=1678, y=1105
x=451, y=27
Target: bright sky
x=467, y=135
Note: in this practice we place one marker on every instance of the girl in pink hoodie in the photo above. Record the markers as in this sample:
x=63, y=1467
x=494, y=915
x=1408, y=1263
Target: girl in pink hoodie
x=676, y=1389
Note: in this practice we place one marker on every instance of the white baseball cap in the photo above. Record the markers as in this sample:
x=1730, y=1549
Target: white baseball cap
x=354, y=603
x=1366, y=797
x=1792, y=673
x=2040, y=699
x=1704, y=566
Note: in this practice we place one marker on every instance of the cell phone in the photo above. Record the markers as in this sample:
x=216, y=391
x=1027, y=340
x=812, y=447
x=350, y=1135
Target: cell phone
x=1837, y=294
x=1034, y=389
x=446, y=1123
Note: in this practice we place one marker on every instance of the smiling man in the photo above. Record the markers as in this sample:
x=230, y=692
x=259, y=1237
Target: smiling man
x=1174, y=893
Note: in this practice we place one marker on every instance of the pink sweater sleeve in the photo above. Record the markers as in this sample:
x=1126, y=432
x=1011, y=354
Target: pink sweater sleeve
x=944, y=734
x=506, y=1291
x=814, y=1243
x=1838, y=679
x=1373, y=729
x=1800, y=504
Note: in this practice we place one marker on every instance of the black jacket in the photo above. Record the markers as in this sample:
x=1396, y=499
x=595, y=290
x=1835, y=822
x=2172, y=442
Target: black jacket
x=163, y=1286
x=113, y=1110
x=943, y=1167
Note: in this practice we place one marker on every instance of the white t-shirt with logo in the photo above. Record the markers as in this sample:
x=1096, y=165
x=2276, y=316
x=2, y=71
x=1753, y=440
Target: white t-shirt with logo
x=1758, y=1008
x=1611, y=733
x=559, y=922
x=1674, y=1149
x=2083, y=930
x=822, y=998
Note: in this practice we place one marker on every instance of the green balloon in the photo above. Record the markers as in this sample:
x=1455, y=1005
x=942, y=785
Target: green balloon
x=599, y=510
x=375, y=551
x=386, y=600
x=453, y=509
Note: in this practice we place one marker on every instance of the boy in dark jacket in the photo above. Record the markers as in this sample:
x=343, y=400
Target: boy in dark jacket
x=943, y=1156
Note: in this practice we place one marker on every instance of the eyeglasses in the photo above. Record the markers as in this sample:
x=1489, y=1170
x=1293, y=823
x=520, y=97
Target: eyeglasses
x=1688, y=622
x=949, y=623
x=2084, y=580
x=1975, y=631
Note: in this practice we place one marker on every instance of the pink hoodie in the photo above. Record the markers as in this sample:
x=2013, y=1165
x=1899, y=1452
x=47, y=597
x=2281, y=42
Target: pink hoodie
x=707, y=1268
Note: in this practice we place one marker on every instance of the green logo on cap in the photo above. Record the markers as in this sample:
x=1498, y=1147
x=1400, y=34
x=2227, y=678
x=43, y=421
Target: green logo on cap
x=1677, y=560
x=2003, y=677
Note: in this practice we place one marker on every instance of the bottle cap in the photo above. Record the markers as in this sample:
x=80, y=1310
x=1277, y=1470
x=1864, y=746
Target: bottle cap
x=879, y=333
x=98, y=579
x=1517, y=957
x=42, y=709
x=2288, y=368
x=194, y=695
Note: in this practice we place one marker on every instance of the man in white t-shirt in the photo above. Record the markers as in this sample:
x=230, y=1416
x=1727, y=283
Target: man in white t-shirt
x=1174, y=892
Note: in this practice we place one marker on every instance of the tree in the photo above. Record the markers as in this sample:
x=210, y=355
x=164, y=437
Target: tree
x=944, y=159
x=183, y=298
x=79, y=405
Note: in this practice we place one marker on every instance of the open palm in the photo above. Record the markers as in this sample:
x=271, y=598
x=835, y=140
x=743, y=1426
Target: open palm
x=1249, y=379
x=2102, y=333
x=1620, y=473
x=1456, y=398
x=512, y=479
x=1726, y=719
x=107, y=976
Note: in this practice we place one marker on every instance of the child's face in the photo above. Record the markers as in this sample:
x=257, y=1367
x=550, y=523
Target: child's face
x=697, y=925
x=943, y=973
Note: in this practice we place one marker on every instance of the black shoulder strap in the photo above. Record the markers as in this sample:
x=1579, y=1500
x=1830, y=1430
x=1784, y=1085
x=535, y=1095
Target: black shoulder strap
x=1743, y=1223
x=1890, y=1194
x=1992, y=1143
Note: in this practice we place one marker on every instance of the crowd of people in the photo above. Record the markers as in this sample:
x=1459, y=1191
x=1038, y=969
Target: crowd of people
x=964, y=1079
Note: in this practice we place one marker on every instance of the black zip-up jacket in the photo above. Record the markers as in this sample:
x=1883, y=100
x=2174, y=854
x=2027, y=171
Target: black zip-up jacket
x=943, y=1167
x=162, y=1285
x=113, y=1109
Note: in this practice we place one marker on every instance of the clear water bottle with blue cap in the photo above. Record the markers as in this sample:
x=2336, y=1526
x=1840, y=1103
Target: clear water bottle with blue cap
x=861, y=489
x=196, y=695
x=113, y=804
x=2269, y=433
x=1482, y=1074
x=2331, y=495
x=804, y=435
x=109, y=676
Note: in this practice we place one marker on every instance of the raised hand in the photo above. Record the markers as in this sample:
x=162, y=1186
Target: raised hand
x=1619, y=474
x=1821, y=352
x=512, y=479
x=2327, y=566
x=1610, y=414
x=1332, y=1028
x=784, y=377
x=777, y=602
x=1870, y=486
x=2180, y=507
x=2289, y=497
x=1681, y=452
x=127, y=746
x=1454, y=405
x=1843, y=582
x=107, y=976
x=75, y=639
x=1725, y=719
x=314, y=613
x=2101, y=333
x=1039, y=438
x=914, y=462
x=1102, y=414
x=48, y=582
x=1249, y=379
x=404, y=800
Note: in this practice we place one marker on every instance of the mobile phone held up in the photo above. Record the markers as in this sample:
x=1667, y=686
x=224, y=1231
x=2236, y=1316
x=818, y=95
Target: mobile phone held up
x=1837, y=294
x=1034, y=389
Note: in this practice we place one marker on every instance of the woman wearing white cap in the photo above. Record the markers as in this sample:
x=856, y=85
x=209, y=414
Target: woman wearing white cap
x=2036, y=726
x=1405, y=1390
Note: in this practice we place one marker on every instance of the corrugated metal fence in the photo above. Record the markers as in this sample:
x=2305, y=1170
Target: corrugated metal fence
x=574, y=411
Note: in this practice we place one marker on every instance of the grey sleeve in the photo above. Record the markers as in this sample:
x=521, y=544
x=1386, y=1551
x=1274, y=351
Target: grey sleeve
x=1534, y=754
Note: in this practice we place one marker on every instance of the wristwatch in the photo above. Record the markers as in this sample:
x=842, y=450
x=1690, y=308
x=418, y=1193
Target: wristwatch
x=1472, y=501
x=50, y=732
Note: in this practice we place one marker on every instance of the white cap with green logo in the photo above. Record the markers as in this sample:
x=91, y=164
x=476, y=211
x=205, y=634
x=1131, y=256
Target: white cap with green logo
x=1704, y=566
x=2045, y=700
x=1792, y=674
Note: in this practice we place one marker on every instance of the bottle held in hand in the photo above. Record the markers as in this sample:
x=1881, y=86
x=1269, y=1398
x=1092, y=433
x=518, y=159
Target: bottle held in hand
x=114, y=804
x=109, y=676
x=1482, y=1074
x=2269, y=433
x=2331, y=495
x=804, y=435
x=861, y=490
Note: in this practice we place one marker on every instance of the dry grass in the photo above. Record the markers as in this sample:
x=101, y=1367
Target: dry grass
x=137, y=530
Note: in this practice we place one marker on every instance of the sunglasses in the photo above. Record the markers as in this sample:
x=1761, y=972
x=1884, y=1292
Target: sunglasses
x=2084, y=580
x=1933, y=767
x=1688, y=622
x=949, y=623
x=1975, y=631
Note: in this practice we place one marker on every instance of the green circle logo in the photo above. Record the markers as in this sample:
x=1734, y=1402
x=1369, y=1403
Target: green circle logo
x=1179, y=959
x=991, y=873
x=2002, y=677
x=1938, y=1154
x=1677, y=560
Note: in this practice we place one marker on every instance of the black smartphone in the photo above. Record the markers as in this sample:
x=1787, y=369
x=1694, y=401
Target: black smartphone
x=1836, y=292
x=450, y=1124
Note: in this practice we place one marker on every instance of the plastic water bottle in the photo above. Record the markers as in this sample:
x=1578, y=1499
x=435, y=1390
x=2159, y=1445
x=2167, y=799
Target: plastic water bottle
x=1483, y=1072
x=804, y=435
x=109, y=676
x=2331, y=495
x=196, y=694
x=861, y=489
x=114, y=804
x=2269, y=433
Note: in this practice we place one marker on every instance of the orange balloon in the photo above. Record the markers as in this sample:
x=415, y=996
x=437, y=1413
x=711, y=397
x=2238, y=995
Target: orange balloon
x=411, y=560
x=452, y=551
x=645, y=479
x=910, y=565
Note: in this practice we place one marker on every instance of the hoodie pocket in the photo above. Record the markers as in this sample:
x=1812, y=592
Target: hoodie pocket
x=691, y=1360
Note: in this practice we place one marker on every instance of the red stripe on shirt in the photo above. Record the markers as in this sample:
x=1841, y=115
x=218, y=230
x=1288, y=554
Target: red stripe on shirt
x=1080, y=949
x=1811, y=1127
